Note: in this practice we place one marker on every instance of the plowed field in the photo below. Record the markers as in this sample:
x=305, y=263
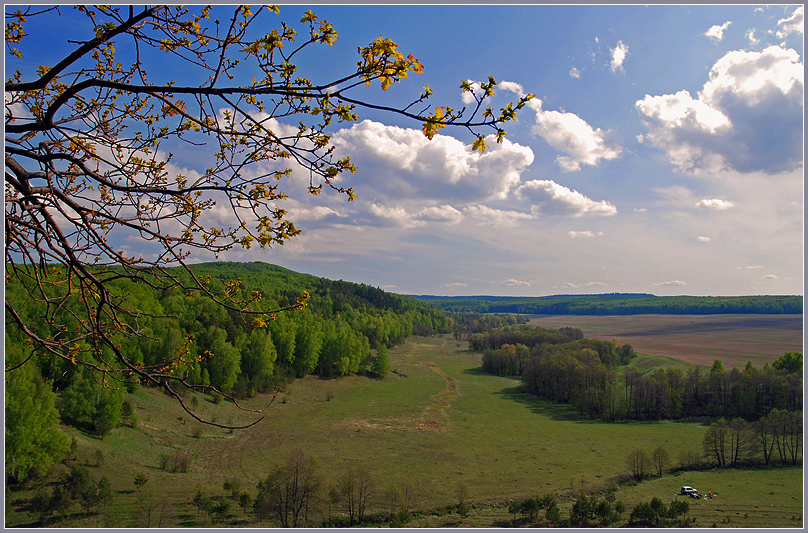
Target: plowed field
x=697, y=339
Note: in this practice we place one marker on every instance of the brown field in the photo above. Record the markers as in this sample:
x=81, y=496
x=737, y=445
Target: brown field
x=696, y=339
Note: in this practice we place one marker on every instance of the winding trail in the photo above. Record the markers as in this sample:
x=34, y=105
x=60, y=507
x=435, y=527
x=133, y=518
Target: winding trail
x=434, y=417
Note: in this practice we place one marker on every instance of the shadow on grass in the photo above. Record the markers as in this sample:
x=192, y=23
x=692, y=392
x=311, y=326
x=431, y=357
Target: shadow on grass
x=557, y=411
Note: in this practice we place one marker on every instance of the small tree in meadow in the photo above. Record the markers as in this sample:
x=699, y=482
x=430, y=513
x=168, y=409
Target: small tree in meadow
x=462, y=493
x=638, y=463
x=661, y=459
x=140, y=479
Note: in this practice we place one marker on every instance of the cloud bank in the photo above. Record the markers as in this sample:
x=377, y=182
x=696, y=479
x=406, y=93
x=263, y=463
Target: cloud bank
x=747, y=118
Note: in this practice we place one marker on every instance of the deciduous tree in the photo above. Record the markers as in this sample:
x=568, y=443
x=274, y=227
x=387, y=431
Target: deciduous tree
x=661, y=459
x=89, y=161
x=291, y=492
x=638, y=463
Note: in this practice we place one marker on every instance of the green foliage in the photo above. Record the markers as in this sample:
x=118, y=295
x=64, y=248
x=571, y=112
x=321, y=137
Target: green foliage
x=791, y=362
x=656, y=514
x=141, y=479
x=33, y=441
x=105, y=493
x=381, y=362
x=92, y=405
x=245, y=501
x=579, y=373
x=202, y=501
x=233, y=486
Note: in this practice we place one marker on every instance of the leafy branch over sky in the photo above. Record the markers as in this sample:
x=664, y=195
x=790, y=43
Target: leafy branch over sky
x=90, y=145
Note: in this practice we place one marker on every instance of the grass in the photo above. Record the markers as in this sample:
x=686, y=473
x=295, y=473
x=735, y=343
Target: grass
x=438, y=421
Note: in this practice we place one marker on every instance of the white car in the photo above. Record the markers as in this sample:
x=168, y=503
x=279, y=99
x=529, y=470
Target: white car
x=689, y=490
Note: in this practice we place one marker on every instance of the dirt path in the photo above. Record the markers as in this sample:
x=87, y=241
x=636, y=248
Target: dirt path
x=434, y=417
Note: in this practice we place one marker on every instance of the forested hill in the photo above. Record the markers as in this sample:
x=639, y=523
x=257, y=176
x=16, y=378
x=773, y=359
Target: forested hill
x=620, y=304
x=335, y=333
x=282, y=286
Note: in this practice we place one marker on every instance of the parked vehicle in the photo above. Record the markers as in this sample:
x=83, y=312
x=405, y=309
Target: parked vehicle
x=690, y=491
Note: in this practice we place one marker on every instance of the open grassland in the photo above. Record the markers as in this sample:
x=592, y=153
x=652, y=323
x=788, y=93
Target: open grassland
x=695, y=339
x=437, y=421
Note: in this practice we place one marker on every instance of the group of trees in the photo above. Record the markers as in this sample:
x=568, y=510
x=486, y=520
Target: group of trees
x=332, y=336
x=580, y=377
x=640, y=464
x=513, y=359
x=297, y=494
x=656, y=514
x=736, y=442
x=530, y=336
x=605, y=511
x=468, y=323
x=76, y=486
x=775, y=438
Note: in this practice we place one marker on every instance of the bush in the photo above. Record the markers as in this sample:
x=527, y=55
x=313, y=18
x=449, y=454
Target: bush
x=180, y=462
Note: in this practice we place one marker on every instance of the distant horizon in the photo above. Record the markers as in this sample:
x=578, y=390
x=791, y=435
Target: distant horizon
x=606, y=294
x=498, y=295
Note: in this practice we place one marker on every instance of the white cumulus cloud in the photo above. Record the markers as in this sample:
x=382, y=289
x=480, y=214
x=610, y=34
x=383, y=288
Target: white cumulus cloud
x=672, y=283
x=585, y=233
x=619, y=54
x=550, y=198
x=569, y=133
x=747, y=118
x=575, y=73
x=704, y=239
x=399, y=216
x=454, y=285
x=714, y=204
x=515, y=283
x=443, y=213
x=402, y=163
x=716, y=33
x=793, y=24
x=488, y=216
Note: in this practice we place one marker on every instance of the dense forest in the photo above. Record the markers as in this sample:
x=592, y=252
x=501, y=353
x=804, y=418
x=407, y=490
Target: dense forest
x=620, y=304
x=333, y=335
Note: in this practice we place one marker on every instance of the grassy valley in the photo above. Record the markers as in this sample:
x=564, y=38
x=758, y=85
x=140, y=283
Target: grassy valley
x=437, y=421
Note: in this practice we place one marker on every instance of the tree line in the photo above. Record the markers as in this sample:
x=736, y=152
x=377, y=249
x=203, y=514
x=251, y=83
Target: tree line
x=621, y=304
x=595, y=388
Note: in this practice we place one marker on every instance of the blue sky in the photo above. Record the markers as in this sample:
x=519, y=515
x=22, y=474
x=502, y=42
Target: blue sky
x=663, y=153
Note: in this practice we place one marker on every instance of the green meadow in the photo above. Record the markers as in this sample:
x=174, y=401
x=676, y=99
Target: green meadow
x=436, y=421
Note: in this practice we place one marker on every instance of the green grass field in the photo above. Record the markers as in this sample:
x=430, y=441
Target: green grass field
x=443, y=424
